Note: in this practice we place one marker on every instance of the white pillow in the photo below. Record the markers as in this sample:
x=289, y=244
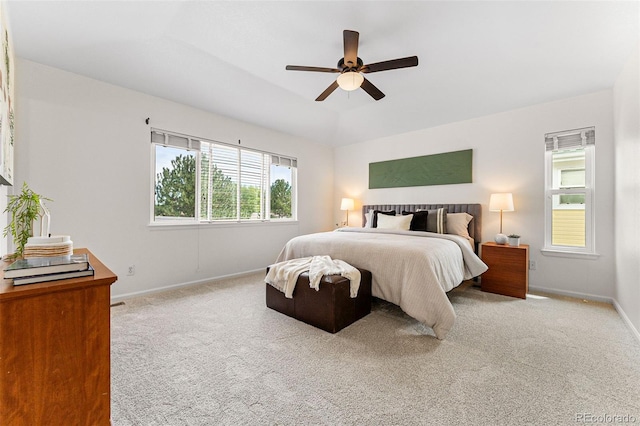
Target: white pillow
x=394, y=222
x=458, y=224
x=368, y=219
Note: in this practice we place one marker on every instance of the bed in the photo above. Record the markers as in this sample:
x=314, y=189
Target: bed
x=411, y=269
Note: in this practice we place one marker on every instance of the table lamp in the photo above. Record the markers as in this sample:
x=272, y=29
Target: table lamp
x=347, y=204
x=501, y=202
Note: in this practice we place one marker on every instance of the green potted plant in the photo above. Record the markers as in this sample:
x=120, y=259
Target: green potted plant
x=514, y=240
x=23, y=210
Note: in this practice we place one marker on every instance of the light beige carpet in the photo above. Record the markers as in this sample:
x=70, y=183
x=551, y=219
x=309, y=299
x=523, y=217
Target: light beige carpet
x=216, y=355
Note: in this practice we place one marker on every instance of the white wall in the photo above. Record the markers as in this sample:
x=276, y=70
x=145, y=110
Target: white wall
x=508, y=156
x=84, y=144
x=626, y=113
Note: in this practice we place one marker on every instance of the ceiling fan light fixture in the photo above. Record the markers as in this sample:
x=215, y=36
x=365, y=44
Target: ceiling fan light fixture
x=350, y=80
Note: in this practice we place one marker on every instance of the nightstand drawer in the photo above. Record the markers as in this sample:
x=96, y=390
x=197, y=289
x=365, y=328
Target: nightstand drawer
x=508, y=272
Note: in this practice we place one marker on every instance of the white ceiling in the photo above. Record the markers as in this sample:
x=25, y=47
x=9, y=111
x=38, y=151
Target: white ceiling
x=476, y=58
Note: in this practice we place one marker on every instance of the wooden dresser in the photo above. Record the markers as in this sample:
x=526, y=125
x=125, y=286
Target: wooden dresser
x=508, y=272
x=55, y=350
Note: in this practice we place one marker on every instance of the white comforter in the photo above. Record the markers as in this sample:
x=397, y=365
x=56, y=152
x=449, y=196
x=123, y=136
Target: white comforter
x=413, y=270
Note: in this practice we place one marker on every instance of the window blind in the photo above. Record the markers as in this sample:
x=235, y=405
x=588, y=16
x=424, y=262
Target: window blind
x=175, y=140
x=253, y=184
x=219, y=170
x=280, y=160
x=570, y=139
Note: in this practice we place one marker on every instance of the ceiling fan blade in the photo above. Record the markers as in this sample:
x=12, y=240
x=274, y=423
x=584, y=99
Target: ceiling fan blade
x=314, y=69
x=372, y=90
x=393, y=64
x=350, y=39
x=328, y=91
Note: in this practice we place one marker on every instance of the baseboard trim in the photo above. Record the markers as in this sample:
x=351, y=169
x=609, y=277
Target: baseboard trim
x=122, y=297
x=594, y=298
x=573, y=294
x=626, y=320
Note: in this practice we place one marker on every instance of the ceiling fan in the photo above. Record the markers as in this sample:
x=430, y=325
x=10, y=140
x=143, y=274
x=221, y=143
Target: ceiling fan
x=351, y=69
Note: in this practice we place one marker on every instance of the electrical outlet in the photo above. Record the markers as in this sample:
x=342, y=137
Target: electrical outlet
x=532, y=265
x=131, y=270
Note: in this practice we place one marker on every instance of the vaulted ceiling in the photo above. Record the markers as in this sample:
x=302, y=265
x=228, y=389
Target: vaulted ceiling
x=476, y=58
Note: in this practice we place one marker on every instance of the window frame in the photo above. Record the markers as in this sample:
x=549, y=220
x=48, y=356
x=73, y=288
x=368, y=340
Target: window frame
x=197, y=220
x=589, y=249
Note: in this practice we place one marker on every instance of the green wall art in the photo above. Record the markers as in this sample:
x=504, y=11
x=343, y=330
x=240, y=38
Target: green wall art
x=437, y=169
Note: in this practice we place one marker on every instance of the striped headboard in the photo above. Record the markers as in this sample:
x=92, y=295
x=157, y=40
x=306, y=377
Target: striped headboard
x=475, y=210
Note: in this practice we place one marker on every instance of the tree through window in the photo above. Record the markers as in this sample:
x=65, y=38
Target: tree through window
x=234, y=184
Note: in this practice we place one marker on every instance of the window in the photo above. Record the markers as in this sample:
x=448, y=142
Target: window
x=569, y=188
x=198, y=180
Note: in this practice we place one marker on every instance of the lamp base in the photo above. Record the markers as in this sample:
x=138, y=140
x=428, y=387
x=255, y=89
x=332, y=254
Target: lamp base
x=501, y=239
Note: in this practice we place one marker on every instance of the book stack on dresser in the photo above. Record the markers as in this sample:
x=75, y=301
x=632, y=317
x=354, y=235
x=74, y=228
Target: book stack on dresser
x=51, y=268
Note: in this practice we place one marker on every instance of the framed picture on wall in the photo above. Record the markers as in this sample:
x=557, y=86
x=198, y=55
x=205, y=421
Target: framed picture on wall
x=6, y=103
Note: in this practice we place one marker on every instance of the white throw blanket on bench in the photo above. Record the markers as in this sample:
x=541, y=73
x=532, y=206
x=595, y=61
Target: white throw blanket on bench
x=284, y=275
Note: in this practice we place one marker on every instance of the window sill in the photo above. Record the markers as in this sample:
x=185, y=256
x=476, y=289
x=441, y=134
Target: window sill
x=570, y=254
x=229, y=224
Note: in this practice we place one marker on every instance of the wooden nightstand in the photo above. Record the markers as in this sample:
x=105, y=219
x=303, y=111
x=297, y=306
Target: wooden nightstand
x=508, y=272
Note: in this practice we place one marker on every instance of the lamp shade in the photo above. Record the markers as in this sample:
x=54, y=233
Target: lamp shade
x=350, y=80
x=346, y=204
x=502, y=201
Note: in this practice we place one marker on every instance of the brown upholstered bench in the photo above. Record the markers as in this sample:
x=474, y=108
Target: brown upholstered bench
x=331, y=308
